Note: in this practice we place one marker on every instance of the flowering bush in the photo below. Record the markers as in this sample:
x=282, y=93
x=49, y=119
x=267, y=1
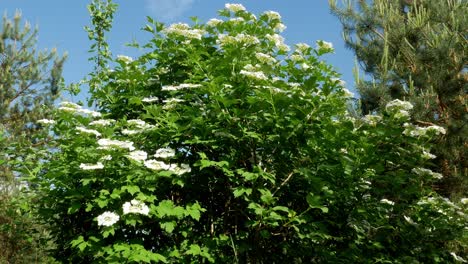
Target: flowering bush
x=222, y=145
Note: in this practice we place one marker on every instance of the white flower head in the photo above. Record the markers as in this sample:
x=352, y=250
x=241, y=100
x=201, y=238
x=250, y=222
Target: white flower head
x=150, y=99
x=46, y=121
x=125, y=59
x=88, y=131
x=107, y=219
x=428, y=155
x=280, y=27
x=324, y=45
x=397, y=105
x=180, y=86
x=89, y=112
x=96, y=166
x=257, y=75
x=464, y=200
x=130, y=132
x=235, y=7
x=135, y=207
x=139, y=124
x=70, y=105
x=182, y=29
x=111, y=144
x=436, y=129
x=372, y=119
x=165, y=153
x=138, y=155
x=302, y=48
x=182, y=169
x=265, y=58
x=214, y=22
x=237, y=20
x=386, y=201
x=102, y=122
x=427, y=172
x=156, y=165
x=279, y=42
x=272, y=15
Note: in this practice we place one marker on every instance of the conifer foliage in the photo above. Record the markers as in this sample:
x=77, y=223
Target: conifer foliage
x=416, y=51
x=30, y=81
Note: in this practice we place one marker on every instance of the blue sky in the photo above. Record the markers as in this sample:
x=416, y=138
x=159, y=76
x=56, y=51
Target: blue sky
x=61, y=25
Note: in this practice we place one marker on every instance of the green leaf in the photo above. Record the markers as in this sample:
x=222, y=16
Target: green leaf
x=168, y=226
x=194, y=250
x=132, y=189
x=74, y=207
x=314, y=202
x=239, y=191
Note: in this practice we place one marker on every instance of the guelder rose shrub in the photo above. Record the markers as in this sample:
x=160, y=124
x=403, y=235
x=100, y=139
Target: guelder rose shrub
x=223, y=144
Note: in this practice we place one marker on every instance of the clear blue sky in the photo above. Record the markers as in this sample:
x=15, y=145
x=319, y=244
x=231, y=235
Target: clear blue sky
x=61, y=25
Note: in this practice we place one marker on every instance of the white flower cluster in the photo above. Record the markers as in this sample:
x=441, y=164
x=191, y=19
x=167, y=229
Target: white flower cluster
x=107, y=219
x=96, y=166
x=138, y=155
x=74, y=108
x=235, y=7
x=46, y=121
x=297, y=58
x=280, y=27
x=102, y=122
x=156, y=165
x=244, y=39
x=265, y=58
x=135, y=207
x=302, y=48
x=150, y=99
x=140, y=126
x=165, y=153
x=324, y=46
x=279, y=42
x=340, y=82
x=399, y=108
x=182, y=29
x=88, y=131
x=237, y=20
x=180, y=87
x=250, y=72
x=416, y=131
x=427, y=172
x=272, y=15
x=397, y=104
x=113, y=144
x=372, y=119
x=171, y=103
x=214, y=22
x=428, y=155
x=124, y=59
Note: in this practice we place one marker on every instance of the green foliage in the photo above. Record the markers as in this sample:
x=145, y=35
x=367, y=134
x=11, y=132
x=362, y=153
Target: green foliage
x=219, y=145
x=416, y=51
x=30, y=81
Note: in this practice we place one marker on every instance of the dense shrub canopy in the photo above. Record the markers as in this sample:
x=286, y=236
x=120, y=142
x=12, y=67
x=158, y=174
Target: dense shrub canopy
x=223, y=144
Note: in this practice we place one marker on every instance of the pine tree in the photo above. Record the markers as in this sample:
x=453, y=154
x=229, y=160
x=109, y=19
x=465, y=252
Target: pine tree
x=30, y=81
x=415, y=50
